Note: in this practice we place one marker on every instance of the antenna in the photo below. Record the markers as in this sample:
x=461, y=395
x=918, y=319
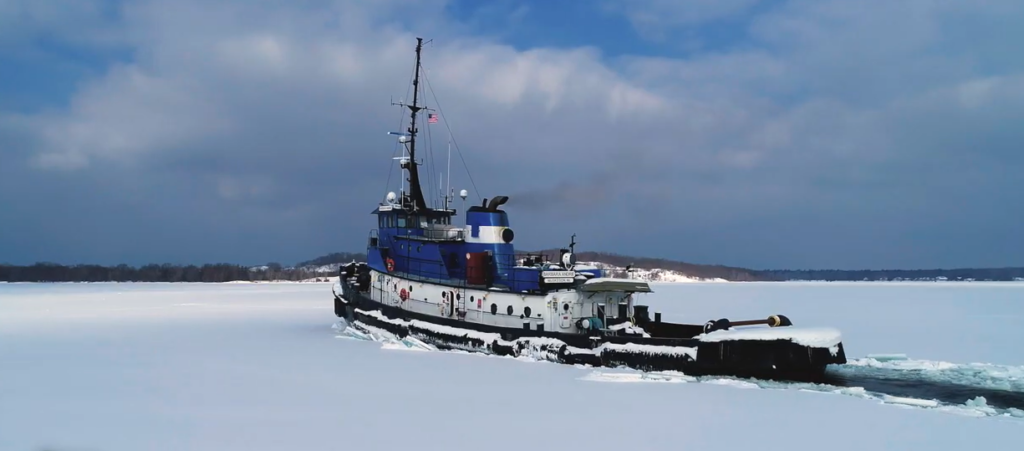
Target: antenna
x=448, y=186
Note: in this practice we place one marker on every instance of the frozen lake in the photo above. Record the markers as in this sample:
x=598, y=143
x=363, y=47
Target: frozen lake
x=259, y=366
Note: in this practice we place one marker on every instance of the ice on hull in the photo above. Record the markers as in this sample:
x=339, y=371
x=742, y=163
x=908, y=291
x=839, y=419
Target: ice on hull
x=775, y=357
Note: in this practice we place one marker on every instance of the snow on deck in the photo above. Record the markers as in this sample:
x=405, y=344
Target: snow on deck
x=818, y=337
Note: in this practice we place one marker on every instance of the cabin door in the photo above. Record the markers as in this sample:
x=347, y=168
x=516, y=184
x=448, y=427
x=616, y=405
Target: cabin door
x=561, y=314
x=394, y=292
x=380, y=289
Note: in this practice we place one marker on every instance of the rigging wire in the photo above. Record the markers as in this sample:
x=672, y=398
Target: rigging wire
x=431, y=164
x=452, y=136
x=401, y=120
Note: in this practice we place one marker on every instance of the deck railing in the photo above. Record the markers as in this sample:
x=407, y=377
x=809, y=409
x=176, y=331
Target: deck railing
x=437, y=271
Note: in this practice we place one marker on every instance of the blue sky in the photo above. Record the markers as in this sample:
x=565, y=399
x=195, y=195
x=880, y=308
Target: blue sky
x=766, y=134
x=617, y=28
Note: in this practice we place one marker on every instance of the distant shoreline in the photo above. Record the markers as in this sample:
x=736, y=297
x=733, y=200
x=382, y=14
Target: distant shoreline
x=615, y=265
x=328, y=281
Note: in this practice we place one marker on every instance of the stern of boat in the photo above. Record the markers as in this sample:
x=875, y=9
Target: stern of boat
x=787, y=352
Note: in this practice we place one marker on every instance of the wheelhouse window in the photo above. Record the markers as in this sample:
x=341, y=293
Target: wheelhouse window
x=413, y=221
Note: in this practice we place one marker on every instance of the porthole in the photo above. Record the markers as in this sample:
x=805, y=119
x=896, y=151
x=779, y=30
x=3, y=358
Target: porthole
x=526, y=311
x=565, y=307
x=494, y=309
x=509, y=310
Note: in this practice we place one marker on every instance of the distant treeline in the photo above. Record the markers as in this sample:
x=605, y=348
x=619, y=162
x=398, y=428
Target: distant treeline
x=959, y=274
x=52, y=272
x=334, y=258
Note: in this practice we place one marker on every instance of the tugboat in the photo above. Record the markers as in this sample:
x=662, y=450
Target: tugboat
x=465, y=287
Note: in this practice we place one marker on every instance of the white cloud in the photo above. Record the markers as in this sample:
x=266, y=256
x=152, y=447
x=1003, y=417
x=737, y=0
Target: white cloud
x=826, y=102
x=227, y=76
x=242, y=67
x=127, y=113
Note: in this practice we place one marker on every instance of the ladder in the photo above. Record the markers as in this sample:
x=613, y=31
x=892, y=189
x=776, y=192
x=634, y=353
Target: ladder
x=460, y=309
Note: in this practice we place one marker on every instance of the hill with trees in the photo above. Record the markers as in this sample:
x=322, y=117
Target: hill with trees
x=327, y=265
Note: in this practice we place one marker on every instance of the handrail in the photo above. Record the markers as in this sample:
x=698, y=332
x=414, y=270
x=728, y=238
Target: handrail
x=373, y=240
x=439, y=271
x=442, y=235
x=484, y=312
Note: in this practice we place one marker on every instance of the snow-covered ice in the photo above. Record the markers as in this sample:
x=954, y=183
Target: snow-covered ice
x=268, y=366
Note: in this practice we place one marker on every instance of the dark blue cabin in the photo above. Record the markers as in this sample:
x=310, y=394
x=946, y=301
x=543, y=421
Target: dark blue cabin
x=425, y=245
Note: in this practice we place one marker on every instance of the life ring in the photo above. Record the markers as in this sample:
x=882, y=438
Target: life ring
x=403, y=295
x=390, y=264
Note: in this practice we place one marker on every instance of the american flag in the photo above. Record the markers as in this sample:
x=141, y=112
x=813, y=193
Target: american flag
x=431, y=118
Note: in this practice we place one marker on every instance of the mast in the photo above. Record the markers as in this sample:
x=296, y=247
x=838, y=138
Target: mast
x=414, y=177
